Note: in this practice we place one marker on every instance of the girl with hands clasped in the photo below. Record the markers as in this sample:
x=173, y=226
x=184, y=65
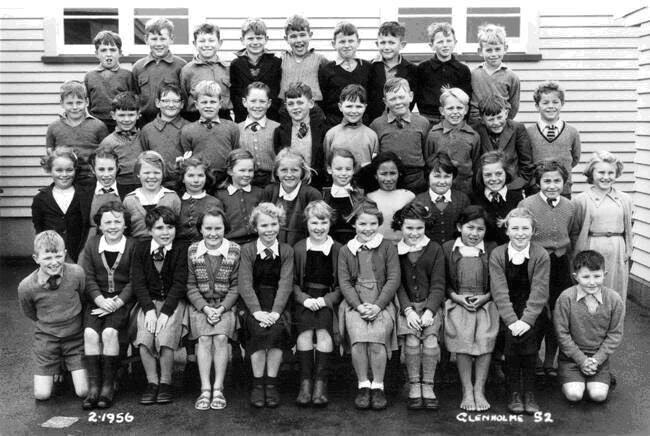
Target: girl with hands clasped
x=471, y=318
x=519, y=274
x=420, y=296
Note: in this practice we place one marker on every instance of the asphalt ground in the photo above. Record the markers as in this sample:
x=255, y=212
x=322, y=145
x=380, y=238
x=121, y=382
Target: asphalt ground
x=627, y=411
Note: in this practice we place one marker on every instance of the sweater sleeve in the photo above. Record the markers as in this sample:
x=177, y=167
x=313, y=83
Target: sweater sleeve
x=127, y=291
x=37, y=213
x=246, y=280
x=92, y=290
x=499, y=286
x=178, y=288
x=299, y=257
x=186, y=140
x=334, y=296
x=193, y=294
x=561, y=320
x=139, y=281
x=437, y=282
x=514, y=97
x=233, y=290
x=393, y=277
x=346, y=281
x=538, y=288
x=575, y=150
x=285, y=284
x=524, y=154
x=614, y=333
x=27, y=302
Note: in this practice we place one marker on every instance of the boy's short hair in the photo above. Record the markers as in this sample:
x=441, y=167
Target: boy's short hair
x=103, y=153
x=442, y=161
x=549, y=165
x=392, y=28
x=320, y=210
x=297, y=90
x=445, y=28
x=590, y=259
x=112, y=206
x=65, y=152
x=166, y=88
x=125, y=101
x=255, y=25
x=342, y=152
x=73, y=88
x=492, y=105
x=602, y=156
x=207, y=28
x=48, y=241
x=547, y=88
x=296, y=23
x=107, y=37
x=258, y=85
x=156, y=26
x=268, y=209
x=491, y=34
x=214, y=211
x=354, y=92
x=456, y=93
x=152, y=158
x=168, y=216
x=394, y=84
x=206, y=87
x=345, y=28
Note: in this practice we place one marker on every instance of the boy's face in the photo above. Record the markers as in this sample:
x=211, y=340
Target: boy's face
x=162, y=233
x=125, y=119
x=298, y=40
x=105, y=170
x=549, y=107
x=443, y=45
x=346, y=45
x=453, y=111
x=496, y=123
x=492, y=53
x=299, y=107
x=267, y=228
x=208, y=106
x=257, y=102
x=50, y=263
x=207, y=44
x=112, y=226
x=170, y=105
x=389, y=47
x=352, y=110
x=341, y=170
x=159, y=43
x=74, y=107
x=590, y=281
x=398, y=101
x=440, y=182
x=108, y=55
x=254, y=43
x=551, y=184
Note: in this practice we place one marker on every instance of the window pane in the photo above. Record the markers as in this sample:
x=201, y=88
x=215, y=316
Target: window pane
x=512, y=25
x=181, y=28
x=417, y=20
x=82, y=31
x=161, y=12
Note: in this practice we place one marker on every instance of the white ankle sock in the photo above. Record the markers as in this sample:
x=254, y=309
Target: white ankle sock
x=364, y=384
x=377, y=385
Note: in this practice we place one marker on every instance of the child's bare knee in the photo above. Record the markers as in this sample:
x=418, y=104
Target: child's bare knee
x=91, y=336
x=412, y=341
x=598, y=393
x=431, y=342
x=205, y=341
x=220, y=341
x=109, y=335
x=377, y=348
x=573, y=391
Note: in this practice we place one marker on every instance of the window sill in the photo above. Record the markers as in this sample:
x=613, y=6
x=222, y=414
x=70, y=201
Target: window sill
x=412, y=57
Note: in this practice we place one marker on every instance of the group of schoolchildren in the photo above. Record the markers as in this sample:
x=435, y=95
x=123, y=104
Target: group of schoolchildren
x=330, y=218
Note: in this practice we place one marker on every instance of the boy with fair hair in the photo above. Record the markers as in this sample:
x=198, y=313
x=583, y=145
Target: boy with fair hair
x=493, y=76
x=206, y=66
x=254, y=64
x=388, y=64
x=346, y=70
x=443, y=69
x=159, y=66
x=51, y=297
x=403, y=132
x=588, y=321
x=105, y=81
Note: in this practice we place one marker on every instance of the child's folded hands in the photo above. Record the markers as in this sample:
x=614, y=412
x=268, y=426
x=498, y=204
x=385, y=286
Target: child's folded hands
x=518, y=328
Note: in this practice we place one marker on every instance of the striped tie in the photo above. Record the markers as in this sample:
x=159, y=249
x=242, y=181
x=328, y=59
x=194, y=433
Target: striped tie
x=550, y=133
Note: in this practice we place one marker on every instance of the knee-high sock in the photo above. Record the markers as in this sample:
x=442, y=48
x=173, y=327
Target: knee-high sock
x=430, y=358
x=413, y=360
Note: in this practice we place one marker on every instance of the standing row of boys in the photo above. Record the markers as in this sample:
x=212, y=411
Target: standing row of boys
x=272, y=209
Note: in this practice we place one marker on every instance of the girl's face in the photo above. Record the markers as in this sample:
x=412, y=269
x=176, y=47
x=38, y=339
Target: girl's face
x=366, y=226
x=150, y=177
x=267, y=228
x=242, y=173
x=289, y=174
x=494, y=176
x=440, y=181
x=318, y=229
x=604, y=175
x=112, y=226
x=520, y=231
x=212, y=230
x=62, y=172
x=341, y=170
x=162, y=233
x=551, y=184
x=453, y=110
x=105, y=171
x=387, y=175
x=472, y=232
x=412, y=231
x=194, y=179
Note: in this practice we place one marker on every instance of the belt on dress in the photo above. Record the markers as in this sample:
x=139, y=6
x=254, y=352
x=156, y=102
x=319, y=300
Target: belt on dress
x=605, y=234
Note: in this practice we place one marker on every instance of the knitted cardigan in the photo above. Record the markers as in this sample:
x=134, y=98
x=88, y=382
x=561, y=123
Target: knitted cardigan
x=451, y=263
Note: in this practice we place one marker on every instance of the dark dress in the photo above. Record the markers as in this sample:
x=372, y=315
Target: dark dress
x=342, y=231
x=320, y=283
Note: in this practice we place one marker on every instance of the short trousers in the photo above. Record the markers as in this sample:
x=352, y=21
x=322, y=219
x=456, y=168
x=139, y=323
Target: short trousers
x=569, y=372
x=50, y=351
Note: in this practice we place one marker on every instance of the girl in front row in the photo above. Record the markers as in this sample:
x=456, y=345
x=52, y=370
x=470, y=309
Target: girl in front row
x=420, y=296
x=369, y=275
x=316, y=292
x=265, y=284
x=213, y=266
x=471, y=318
x=519, y=274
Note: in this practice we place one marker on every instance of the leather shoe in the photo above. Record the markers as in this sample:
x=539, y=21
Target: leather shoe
x=516, y=405
x=362, y=400
x=165, y=394
x=150, y=394
x=530, y=405
x=319, y=398
x=431, y=403
x=415, y=403
x=257, y=395
x=272, y=396
x=304, y=395
x=378, y=399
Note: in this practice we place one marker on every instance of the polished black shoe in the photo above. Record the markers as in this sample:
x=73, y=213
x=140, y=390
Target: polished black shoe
x=257, y=395
x=319, y=397
x=516, y=405
x=150, y=394
x=272, y=396
x=414, y=403
x=165, y=394
x=362, y=400
x=530, y=405
x=304, y=395
x=378, y=399
x=431, y=403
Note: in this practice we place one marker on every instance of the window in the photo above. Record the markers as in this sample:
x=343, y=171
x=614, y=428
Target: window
x=81, y=25
x=178, y=16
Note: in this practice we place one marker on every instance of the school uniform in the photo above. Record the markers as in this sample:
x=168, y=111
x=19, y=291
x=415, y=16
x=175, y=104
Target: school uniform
x=149, y=73
x=389, y=202
x=102, y=86
x=304, y=69
x=126, y=145
x=135, y=203
x=243, y=72
x=212, y=280
x=441, y=227
x=503, y=82
x=101, y=195
x=257, y=137
x=238, y=204
x=199, y=69
x=192, y=207
x=165, y=138
x=342, y=199
x=358, y=139
x=332, y=78
x=497, y=206
x=212, y=140
x=379, y=74
x=265, y=284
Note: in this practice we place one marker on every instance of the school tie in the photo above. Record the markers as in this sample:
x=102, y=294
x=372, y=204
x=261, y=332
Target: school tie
x=159, y=254
x=399, y=123
x=302, y=130
x=551, y=202
x=550, y=133
x=496, y=198
x=255, y=126
x=207, y=123
x=107, y=190
x=268, y=253
x=440, y=203
x=53, y=282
